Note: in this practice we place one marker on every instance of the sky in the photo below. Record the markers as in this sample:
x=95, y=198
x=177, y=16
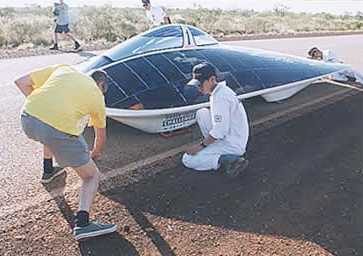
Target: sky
x=330, y=6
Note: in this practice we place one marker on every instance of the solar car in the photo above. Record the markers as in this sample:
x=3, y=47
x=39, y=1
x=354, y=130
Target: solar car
x=148, y=75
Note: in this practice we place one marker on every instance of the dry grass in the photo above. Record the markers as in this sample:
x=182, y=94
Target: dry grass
x=33, y=26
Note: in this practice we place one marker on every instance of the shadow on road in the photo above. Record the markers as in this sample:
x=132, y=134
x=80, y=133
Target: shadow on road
x=114, y=244
x=304, y=183
x=86, y=54
x=150, y=231
x=56, y=188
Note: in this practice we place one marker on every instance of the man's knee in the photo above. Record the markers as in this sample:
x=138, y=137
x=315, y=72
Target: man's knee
x=187, y=161
x=88, y=171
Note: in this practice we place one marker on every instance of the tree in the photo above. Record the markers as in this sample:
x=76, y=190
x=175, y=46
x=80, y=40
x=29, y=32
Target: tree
x=280, y=9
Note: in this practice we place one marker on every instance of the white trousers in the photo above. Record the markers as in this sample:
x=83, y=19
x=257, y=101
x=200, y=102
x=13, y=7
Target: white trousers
x=207, y=159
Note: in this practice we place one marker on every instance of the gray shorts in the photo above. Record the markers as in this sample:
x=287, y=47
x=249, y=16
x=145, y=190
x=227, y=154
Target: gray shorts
x=68, y=150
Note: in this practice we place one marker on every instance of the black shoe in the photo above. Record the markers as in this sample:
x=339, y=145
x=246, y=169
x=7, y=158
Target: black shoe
x=235, y=167
x=54, y=47
x=93, y=229
x=76, y=45
x=49, y=176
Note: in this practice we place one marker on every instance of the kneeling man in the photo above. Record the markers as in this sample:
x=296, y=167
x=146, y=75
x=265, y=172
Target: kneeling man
x=224, y=127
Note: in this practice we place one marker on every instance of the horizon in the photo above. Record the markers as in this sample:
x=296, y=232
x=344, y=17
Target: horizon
x=309, y=6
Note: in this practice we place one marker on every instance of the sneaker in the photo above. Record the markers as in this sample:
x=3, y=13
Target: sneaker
x=54, y=47
x=76, y=45
x=48, y=177
x=93, y=229
x=234, y=167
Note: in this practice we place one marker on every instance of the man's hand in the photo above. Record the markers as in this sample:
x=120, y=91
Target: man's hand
x=95, y=155
x=100, y=140
x=193, y=150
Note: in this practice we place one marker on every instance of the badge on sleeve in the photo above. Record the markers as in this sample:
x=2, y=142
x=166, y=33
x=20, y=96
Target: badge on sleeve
x=217, y=118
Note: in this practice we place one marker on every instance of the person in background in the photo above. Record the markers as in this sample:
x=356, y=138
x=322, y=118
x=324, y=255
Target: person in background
x=60, y=102
x=224, y=127
x=61, y=14
x=156, y=15
x=348, y=75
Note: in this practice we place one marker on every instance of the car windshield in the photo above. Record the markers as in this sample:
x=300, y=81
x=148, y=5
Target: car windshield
x=156, y=39
x=201, y=38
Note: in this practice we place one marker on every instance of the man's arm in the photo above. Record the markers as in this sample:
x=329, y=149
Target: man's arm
x=98, y=121
x=25, y=84
x=34, y=79
x=198, y=147
x=100, y=141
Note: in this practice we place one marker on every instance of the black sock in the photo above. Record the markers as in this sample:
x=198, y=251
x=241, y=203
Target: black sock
x=82, y=219
x=48, y=165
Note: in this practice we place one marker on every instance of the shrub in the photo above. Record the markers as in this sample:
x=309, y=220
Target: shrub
x=34, y=25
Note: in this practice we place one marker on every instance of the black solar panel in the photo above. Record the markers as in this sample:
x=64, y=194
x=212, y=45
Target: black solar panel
x=168, y=69
x=125, y=78
x=158, y=80
x=161, y=97
x=147, y=72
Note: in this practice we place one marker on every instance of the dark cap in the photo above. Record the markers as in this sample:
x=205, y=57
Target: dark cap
x=202, y=72
x=312, y=51
x=145, y=2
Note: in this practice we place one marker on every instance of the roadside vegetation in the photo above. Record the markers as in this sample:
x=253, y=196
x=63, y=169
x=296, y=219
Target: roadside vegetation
x=33, y=26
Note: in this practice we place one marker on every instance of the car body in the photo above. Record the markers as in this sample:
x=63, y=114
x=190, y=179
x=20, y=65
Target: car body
x=148, y=75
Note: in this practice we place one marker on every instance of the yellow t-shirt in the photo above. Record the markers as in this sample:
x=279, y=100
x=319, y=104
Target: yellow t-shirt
x=66, y=99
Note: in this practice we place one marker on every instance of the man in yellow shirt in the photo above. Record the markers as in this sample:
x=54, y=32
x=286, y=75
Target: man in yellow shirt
x=60, y=102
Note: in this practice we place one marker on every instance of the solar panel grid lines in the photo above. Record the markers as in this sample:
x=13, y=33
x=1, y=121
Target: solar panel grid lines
x=157, y=69
x=214, y=56
x=181, y=72
x=171, y=83
x=137, y=75
x=166, y=67
x=147, y=72
x=125, y=78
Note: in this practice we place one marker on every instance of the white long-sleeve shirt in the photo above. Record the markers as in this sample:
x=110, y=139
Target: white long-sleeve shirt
x=156, y=15
x=229, y=119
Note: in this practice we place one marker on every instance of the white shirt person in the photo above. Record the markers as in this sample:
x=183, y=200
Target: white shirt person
x=156, y=14
x=224, y=127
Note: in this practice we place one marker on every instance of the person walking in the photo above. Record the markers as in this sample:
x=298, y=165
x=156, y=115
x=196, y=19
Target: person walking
x=61, y=14
x=224, y=127
x=156, y=15
x=60, y=102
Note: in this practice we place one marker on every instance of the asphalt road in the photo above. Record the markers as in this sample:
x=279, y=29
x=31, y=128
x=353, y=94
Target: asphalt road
x=20, y=159
x=301, y=195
